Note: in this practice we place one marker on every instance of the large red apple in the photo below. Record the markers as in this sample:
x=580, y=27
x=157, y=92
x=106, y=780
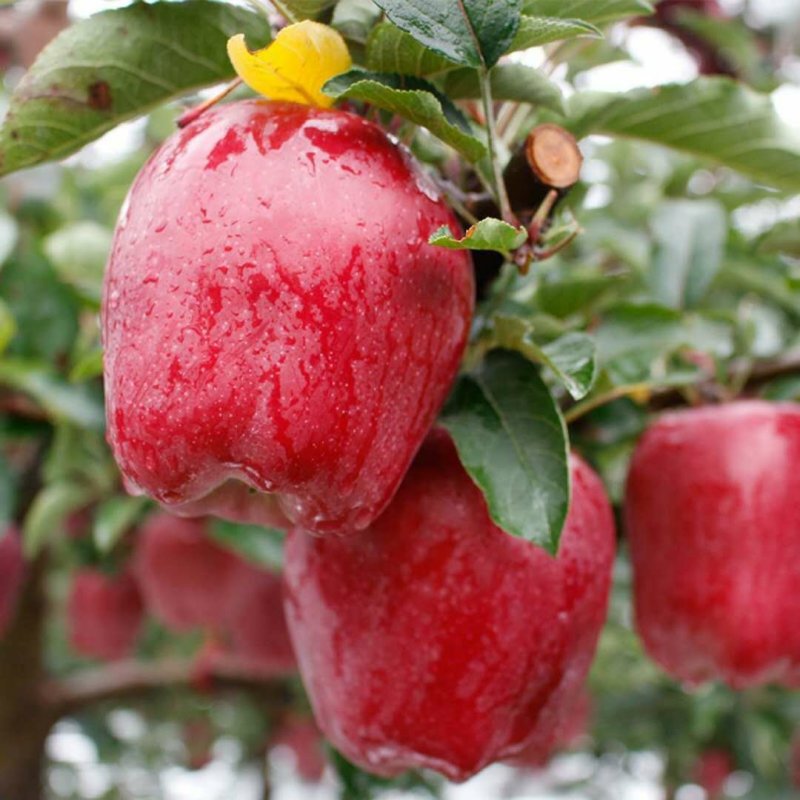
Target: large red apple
x=104, y=614
x=12, y=573
x=434, y=639
x=187, y=580
x=713, y=515
x=274, y=319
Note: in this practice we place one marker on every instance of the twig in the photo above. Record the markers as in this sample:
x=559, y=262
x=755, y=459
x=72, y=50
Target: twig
x=491, y=135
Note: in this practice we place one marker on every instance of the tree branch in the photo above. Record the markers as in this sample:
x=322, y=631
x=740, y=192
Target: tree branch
x=132, y=679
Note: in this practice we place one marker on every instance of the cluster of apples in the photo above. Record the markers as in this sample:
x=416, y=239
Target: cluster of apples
x=186, y=582
x=279, y=339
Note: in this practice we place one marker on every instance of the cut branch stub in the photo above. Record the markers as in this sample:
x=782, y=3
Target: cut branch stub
x=549, y=159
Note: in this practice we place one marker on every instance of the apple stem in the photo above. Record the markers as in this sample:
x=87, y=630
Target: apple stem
x=499, y=185
x=191, y=114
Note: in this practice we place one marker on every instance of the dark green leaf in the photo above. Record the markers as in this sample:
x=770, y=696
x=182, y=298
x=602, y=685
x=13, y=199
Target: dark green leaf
x=412, y=98
x=509, y=82
x=648, y=329
x=566, y=297
x=597, y=11
x=513, y=442
x=536, y=31
x=8, y=492
x=391, y=50
x=470, y=32
x=785, y=388
x=307, y=9
x=260, y=546
x=713, y=118
x=488, y=234
x=690, y=238
x=116, y=65
x=114, y=517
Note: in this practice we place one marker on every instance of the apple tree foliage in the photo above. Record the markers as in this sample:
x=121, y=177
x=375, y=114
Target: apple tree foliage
x=682, y=286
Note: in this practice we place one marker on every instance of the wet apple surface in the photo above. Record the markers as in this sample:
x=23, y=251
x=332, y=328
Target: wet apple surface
x=435, y=639
x=274, y=318
x=713, y=515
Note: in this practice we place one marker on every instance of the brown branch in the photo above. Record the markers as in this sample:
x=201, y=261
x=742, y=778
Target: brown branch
x=133, y=679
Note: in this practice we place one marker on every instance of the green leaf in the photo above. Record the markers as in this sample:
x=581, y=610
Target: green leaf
x=59, y=399
x=79, y=251
x=114, y=517
x=690, y=239
x=783, y=238
x=645, y=329
x=8, y=327
x=116, y=65
x=391, y=50
x=354, y=19
x=712, y=118
x=48, y=511
x=515, y=82
x=513, y=442
x=536, y=31
x=8, y=492
x=785, y=388
x=488, y=234
x=597, y=11
x=571, y=357
x=573, y=295
x=411, y=98
x=260, y=546
x=474, y=33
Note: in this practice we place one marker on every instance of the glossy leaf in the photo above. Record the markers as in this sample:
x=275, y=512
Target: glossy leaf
x=690, y=239
x=712, y=118
x=509, y=82
x=488, y=234
x=113, y=66
x=390, y=49
x=474, y=33
x=295, y=66
x=412, y=98
x=597, y=11
x=512, y=440
x=536, y=31
x=354, y=19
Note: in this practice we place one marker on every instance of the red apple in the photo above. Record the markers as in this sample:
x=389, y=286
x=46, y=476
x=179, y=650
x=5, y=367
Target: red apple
x=257, y=625
x=434, y=639
x=274, y=319
x=187, y=580
x=104, y=614
x=12, y=574
x=713, y=516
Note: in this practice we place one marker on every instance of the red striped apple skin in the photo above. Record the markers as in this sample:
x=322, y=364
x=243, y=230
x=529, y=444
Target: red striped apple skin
x=434, y=639
x=274, y=318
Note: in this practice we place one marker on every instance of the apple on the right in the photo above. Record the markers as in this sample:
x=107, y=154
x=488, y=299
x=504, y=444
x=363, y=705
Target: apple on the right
x=713, y=518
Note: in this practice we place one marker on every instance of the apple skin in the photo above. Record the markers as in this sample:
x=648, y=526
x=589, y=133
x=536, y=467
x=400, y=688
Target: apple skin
x=257, y=627
x=274, y=318
x=187, y=580
x=713, y=515
x=104, y=614
x=12, y=575
x=434, y=639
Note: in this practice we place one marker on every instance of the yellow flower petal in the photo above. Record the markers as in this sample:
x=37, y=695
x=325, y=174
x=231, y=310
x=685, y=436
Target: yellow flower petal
x=295, y=66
